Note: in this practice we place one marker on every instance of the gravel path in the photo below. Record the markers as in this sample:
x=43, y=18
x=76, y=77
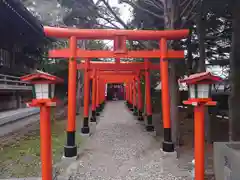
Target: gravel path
x=121, y=149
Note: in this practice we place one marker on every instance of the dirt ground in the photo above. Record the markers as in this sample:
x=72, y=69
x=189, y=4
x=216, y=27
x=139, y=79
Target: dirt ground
x=21, y=158
x=20, y=150
x=218, y=132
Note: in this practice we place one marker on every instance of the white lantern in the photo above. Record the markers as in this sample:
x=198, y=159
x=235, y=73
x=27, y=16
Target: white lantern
x=43, y=84
x=204, y=90
x=44, y=91
x=200, y=84
x=199, y=90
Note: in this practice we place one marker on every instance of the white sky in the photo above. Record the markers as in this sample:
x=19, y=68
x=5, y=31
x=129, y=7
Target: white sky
x=125, y=10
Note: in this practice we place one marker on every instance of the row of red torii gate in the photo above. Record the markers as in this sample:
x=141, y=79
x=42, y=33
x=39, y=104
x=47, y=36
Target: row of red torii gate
x=128, y=73
x=117, y=72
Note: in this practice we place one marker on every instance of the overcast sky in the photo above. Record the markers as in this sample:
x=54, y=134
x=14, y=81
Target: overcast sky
x=125, y=10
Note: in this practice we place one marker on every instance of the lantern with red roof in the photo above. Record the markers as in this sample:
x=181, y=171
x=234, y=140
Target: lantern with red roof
x=43, y=92
x=43, y=86
x=199, y=87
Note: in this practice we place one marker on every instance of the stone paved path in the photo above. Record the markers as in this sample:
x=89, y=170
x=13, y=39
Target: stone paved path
x=121, y=149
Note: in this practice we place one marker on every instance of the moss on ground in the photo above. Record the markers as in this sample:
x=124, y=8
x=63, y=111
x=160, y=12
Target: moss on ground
x=22, y=158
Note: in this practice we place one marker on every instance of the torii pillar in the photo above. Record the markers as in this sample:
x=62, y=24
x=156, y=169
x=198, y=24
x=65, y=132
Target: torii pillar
x=135, y=110
x=94, y=88
x=97, y=94
x=101, y=91
x=131, y=96
x=149, y=123
x=85, y=127
x=126, y=94
x=140, y=117
x=70, y=149
x=167, y=145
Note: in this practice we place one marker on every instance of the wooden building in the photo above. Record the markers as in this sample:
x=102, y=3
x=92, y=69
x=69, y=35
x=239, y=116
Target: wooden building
x=22, y=39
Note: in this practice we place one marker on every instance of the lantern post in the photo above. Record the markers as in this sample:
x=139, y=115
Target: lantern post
x=199, y=88
x=43, y=94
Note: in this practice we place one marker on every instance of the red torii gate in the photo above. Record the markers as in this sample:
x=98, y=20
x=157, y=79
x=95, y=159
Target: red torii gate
x=98, y=93
x=129, y=66
x=123, y=77
x=137, y=66
x=120, y=50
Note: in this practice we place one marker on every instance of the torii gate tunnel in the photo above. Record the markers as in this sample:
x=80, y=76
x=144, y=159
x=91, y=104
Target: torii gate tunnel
x=99, y=80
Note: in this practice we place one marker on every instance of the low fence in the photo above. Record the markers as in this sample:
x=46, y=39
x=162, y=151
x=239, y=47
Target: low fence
x=8, y=82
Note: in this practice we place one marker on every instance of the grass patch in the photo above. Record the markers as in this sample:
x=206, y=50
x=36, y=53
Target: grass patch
x=22, y=158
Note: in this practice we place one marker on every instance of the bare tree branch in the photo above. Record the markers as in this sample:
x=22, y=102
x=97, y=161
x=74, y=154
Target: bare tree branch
x=131, y=3
x=154, y=4
x=115, y=15
x=109, y=21
x=99, y=15
x=189, y=16
x=183, y=2
x=109, y=12
x=193, y=4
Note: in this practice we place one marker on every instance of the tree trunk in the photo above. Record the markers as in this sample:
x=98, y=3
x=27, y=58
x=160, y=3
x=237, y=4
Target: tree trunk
x=174, y=102
x=79, y=92
x=201, y=36
x=79, y=95
x=189, y=52
x=172, y=14
x=202, y=64
x=234, y=100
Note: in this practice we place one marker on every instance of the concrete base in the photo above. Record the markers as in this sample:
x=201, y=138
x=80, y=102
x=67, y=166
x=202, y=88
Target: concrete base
x=84, y=135
x=168, y=146
x=70, y=151
x=140, y=118
x=69, y=158
x=93, y=119
x=129, y=105
x=85, y=130
x=169, y=155
x=135, y=113
x=149, y=128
